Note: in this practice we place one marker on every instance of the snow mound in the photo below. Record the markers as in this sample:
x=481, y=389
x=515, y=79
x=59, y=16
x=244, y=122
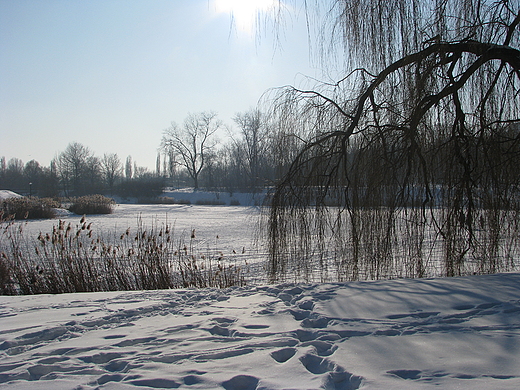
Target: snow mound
x=6, y=194
x=448, y=333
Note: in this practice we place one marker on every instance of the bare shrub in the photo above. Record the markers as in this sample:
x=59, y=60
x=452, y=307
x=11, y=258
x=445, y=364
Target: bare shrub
x=170, y=200
x=92, y=204
x=29, y=207
x=210, y=202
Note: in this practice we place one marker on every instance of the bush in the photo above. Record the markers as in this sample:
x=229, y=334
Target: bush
x=92, y=204
x=29, y=207
x=165, y=200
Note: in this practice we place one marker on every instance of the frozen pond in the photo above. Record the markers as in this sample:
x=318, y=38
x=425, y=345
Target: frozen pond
x=234, y=225
x=227, y=229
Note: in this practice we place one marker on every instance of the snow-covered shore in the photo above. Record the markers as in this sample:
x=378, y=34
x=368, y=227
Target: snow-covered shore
x=401, y=334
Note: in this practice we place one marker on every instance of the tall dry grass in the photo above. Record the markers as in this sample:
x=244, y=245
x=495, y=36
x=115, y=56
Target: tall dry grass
x=76, y=258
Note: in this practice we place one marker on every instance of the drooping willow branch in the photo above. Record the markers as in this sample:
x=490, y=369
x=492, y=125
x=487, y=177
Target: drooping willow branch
x=328, y=163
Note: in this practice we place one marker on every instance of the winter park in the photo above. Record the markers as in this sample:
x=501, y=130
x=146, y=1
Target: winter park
x=260, y=194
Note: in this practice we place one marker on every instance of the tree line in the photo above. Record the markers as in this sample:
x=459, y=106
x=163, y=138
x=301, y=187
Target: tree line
x=252, y=158
x=78, y=171
x=192, y=154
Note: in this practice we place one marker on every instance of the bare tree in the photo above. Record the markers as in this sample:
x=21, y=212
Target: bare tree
x=128, y=168
x=12, y=175
x=76, y=167
x=193, y=142
x=93, y=176
x=111, y=169
x=252, y=144
x=3, y=167
x=427, y=120
x=172, y=164
x=142, y=172
x=158, y=165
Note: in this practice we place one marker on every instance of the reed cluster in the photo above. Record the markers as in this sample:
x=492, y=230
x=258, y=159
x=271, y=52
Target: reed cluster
x=76, y=258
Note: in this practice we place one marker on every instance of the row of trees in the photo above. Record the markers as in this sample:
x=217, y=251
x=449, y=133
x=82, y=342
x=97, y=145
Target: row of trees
x=189, y=155
x=76, y=171
x=254, y=157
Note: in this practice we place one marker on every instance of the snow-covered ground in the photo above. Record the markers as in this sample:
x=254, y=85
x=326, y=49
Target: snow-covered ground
x=6, y=194
x=453, y=333
x=225, y=198
x=458, y=333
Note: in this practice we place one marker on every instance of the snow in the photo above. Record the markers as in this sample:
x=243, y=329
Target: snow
x=447, y=333
x=6, y=194
x=230, y=229
x=223, y=197
x=400, y=334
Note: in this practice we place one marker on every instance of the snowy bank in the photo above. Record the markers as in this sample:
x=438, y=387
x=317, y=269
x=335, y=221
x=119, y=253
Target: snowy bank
x=186, y=195
x=6, y=194
x=401, y=334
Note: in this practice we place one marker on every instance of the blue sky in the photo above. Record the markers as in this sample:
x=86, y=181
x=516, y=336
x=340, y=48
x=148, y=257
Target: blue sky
x=113, y=74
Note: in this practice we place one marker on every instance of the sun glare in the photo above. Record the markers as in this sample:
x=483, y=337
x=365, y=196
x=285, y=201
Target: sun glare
x=244, y=12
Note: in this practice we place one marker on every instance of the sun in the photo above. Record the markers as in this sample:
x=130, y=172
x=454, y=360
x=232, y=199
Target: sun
x=244, y=13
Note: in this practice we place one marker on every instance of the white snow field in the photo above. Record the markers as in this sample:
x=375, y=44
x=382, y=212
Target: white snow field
x=444, y=333
x=452, y=333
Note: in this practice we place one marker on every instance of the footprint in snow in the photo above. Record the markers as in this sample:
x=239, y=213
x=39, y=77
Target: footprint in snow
x=413, y=315
x=284, y=354
x=336, y=377
x=53, y=360
x=320, y=322
x=118, y=366
x=224, y=321
x=191, y=380
x=241, y=382
x=256, y=326
x=106, y=378
x=341, y=381
x=306, y=335
x=114, y=336
x=218, y=330
x=299, y=314
x=101, y=358
x=406, y=374
x=418, y=375
x=317, y=364
x=321, y=347
x=306, y=304
x=159, y=383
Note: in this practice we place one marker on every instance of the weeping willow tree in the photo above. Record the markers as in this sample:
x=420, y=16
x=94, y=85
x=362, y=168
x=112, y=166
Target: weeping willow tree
x=411, y=165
